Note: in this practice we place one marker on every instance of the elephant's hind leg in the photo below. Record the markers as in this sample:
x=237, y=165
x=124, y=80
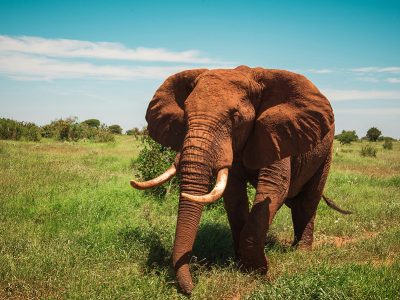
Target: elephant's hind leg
x=304, y=207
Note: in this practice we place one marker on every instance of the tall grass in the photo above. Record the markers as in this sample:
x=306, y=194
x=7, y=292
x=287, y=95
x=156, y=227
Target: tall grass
x=71, y=227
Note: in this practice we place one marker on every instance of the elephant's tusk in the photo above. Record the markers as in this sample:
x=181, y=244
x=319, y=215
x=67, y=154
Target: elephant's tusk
x=168, y=174
x=216, y=193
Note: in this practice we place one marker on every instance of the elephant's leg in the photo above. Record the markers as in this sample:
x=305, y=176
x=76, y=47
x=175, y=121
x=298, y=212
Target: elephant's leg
x=236, y=203
x=272, y=188
x=303, y=210
x=304, y=207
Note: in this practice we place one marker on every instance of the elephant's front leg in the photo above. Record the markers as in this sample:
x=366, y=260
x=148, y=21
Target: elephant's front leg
x=272, y=188
x=236, y=203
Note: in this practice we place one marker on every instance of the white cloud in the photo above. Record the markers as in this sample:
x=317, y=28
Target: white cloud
x=369, y=111
x=393, y=70
x=368, y=79
x=393, y=80
x=320, y=71
x=28, y=67
x=36, y=58
x=346, y=95
x=97, y=50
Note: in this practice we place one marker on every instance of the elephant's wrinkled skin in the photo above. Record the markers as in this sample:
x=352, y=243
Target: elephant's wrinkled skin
x=271, y=128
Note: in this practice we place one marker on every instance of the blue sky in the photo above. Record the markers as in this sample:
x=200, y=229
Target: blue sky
x=105, y=59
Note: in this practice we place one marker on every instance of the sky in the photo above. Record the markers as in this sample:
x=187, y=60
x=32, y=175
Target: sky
x=105, y=59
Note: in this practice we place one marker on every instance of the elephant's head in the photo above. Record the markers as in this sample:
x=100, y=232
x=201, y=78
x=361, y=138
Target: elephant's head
x=215, y=117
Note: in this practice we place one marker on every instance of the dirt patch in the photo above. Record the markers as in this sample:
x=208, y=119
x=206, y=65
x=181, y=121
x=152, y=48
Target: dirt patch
x=340, y=241
x=386, y=262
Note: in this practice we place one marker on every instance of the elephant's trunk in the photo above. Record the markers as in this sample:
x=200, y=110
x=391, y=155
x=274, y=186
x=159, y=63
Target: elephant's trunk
x=196, y=170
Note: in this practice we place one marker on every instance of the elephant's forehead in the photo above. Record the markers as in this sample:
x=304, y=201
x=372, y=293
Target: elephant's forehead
x=224, y=75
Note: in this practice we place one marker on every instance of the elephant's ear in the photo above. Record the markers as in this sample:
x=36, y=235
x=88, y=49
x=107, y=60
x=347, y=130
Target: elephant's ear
x=292, y=116
x=165, y=115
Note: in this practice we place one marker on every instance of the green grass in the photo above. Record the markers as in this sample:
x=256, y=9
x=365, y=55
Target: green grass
x=71, y=227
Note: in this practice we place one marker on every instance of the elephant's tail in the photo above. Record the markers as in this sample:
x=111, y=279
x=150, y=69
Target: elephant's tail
x=333, y=205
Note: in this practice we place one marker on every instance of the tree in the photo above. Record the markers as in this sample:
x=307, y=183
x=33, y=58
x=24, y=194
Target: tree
x=373, y=134
x=346, y=137
x=134, y=131
x=116, y=129
x=92, y=123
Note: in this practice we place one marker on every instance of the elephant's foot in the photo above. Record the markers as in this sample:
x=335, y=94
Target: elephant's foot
x=305, y=241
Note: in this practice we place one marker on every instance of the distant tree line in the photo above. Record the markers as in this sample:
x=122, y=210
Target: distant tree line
x=136, y=132
x=69, y=129
x=373, y=135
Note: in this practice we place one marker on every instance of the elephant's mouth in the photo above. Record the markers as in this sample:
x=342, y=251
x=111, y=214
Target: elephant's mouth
x=214, y=195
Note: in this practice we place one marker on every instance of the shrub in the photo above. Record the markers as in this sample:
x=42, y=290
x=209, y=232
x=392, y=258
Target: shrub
x=10, y=129
x=153, y=160
x=15, y=130
x=103, y=135
x=92, y=123
x=136, y=132
x=387, y=144
x=60, y=129
x=31, y=132
x=346, y=137
x=116, y=129
x=71, y=130
x=368, y=150
x=373, y=134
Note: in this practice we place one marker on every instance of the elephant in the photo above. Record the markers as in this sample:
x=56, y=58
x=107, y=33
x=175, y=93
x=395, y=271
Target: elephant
x=271, y=128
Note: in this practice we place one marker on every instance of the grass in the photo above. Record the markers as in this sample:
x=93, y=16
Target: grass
x=71, y=227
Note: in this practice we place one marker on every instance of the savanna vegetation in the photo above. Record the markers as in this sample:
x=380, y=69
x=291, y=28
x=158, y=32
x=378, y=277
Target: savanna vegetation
x=69, y=129
x=71, y=227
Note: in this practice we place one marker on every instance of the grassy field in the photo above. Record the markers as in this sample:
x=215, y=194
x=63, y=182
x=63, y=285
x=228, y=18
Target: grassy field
x=71, y=227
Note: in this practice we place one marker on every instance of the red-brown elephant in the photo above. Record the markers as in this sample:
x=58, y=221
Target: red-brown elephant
x=272, y=128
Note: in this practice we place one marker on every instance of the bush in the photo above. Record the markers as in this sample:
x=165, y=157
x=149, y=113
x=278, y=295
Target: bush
x=152, y=161
x=15, y=130
x=104, y=135
x=71, y=130
x=387, y=144
x=346, y=137
x=136, y=132
x=373, y=134
x=368, y=150
x=116, y=129
x=31, y=132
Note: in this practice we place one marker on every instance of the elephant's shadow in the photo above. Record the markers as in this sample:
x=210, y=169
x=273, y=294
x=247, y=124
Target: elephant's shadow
x=213, y=246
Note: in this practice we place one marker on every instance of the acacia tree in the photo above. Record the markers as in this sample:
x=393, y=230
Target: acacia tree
x=92, y=123
x=134, y=131
x=116, y=129
x=373, y=134
x=346, y=137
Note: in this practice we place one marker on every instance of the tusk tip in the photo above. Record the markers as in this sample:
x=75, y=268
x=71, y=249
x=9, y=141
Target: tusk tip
x=136, y=185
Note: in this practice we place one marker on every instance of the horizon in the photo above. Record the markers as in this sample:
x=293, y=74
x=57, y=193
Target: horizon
x=59, y=60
